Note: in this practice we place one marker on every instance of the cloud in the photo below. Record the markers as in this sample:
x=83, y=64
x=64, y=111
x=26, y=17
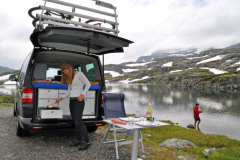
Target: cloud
x=153, y=25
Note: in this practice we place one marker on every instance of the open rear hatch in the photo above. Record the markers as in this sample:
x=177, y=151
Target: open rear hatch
x=79, y=39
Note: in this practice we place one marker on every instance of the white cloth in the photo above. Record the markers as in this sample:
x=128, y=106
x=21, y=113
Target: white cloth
x=76, y=89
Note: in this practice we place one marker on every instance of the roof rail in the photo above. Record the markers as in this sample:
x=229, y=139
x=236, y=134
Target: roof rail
x=49, y=16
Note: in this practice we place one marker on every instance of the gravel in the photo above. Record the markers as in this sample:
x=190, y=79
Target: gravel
x=50, y=144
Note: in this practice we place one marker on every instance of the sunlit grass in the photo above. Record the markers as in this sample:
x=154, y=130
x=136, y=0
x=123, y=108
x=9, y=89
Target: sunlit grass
x=3, y=100
x=152, y=137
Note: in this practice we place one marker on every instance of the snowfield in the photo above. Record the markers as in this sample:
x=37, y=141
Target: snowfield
x=214, y=71
x=113, y=73
x=211, y=59
x=169, y=64
x=134, y=80
x=175, y=71
x=129, y=70
x=197, y=57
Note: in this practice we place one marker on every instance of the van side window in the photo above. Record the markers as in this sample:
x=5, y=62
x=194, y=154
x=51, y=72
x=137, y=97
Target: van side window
x=78, y=69
x=24, y=68
x=91, y=72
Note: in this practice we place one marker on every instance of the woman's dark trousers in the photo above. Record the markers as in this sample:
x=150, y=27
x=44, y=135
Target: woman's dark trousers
x=76, y=110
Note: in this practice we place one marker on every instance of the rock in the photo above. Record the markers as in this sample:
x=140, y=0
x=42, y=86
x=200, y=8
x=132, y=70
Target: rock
x=191, y=126
x=206, y=152
x=176, y=143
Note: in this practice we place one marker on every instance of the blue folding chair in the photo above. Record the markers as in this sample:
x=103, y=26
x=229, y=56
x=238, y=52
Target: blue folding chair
x=113, y=105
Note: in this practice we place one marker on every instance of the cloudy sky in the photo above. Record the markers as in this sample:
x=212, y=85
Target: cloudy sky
x=153, y=25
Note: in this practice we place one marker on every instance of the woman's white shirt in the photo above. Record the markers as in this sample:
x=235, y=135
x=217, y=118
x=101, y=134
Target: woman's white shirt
x=76, y=89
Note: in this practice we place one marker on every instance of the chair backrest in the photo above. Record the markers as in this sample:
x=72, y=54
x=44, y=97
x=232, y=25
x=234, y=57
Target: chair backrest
x=113, y=104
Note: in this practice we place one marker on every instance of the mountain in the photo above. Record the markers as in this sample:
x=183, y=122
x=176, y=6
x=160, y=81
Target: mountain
x=217, y=68
x=5, y=69
x=162, y=54
x=234, y=46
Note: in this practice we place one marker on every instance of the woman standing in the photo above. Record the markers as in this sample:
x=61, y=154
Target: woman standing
x=76, y=81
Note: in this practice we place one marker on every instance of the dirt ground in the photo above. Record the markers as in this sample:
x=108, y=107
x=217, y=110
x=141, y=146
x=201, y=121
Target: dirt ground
x=51, y=144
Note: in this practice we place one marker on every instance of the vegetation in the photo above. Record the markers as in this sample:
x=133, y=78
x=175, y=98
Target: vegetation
x=6, y=101
x=152, y=137
x=191, y=73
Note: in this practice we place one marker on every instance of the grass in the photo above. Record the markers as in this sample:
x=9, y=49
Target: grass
x=3, y=100
x=152, y=137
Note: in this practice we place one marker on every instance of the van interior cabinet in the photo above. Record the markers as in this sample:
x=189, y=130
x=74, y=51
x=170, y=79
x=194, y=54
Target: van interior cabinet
x=48, y=96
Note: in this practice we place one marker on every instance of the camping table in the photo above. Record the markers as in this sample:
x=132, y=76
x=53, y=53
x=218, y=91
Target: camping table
x=136, y=131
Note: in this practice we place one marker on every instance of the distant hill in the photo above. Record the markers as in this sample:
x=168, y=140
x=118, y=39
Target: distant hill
x=217, y=68
x=5, y=69
x=234, y=46
x=162, y=54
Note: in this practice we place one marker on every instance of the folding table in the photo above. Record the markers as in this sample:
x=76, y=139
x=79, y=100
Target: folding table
x=136, y=126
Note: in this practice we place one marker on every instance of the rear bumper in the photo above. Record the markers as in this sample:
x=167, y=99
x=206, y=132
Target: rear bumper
x=27, y=124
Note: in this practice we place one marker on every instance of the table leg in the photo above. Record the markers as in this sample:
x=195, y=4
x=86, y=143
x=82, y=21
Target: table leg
x=115, y=141
x=135, y=144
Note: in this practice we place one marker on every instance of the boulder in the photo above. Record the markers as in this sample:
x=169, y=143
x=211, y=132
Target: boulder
x=191, y=126
x=176, y=143
x=206, y=152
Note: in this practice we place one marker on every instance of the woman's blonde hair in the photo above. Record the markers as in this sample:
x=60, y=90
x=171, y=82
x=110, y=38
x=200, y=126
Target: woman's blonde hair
x=67, y=79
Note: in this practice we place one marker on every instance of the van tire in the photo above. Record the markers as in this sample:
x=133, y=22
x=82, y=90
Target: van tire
x=20, y=131
x=14, y=112
x=92, y=128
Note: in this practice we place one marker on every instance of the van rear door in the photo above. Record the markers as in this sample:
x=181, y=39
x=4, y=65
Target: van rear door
x=79, y=39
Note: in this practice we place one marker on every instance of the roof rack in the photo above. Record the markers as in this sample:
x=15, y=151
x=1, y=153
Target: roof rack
x=49, y=16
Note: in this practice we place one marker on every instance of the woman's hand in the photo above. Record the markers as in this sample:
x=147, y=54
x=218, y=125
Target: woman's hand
x=58, y=100
x=80, y=98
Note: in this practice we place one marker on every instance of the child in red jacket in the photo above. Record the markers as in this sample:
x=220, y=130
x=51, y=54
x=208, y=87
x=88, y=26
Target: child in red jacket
x=196, y=115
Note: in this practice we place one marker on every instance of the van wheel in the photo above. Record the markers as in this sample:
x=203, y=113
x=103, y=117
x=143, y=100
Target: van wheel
x=92, y=128
x=14, y=112
x=20, y=131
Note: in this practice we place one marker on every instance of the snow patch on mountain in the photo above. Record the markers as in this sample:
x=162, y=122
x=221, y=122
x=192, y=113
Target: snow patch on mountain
x=197, y=57
x=113, y=73
x=134, y=80
x=169, y=64
x=175, y=71
x=214, y=70
x=129, y=70
x=219, y=57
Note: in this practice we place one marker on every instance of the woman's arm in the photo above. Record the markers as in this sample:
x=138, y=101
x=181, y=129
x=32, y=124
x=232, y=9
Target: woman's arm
x=64, y=96
x=85, y=82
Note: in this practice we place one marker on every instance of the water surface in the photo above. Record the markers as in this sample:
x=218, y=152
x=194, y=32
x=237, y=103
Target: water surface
x=221, y=109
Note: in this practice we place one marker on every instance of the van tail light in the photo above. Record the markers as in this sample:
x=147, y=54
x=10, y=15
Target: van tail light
x=102, y=96
x=37, y=127
x=27, y=95
x=99, y=124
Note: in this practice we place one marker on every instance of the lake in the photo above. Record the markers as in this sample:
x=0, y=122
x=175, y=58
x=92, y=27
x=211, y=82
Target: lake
x=221, y=109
